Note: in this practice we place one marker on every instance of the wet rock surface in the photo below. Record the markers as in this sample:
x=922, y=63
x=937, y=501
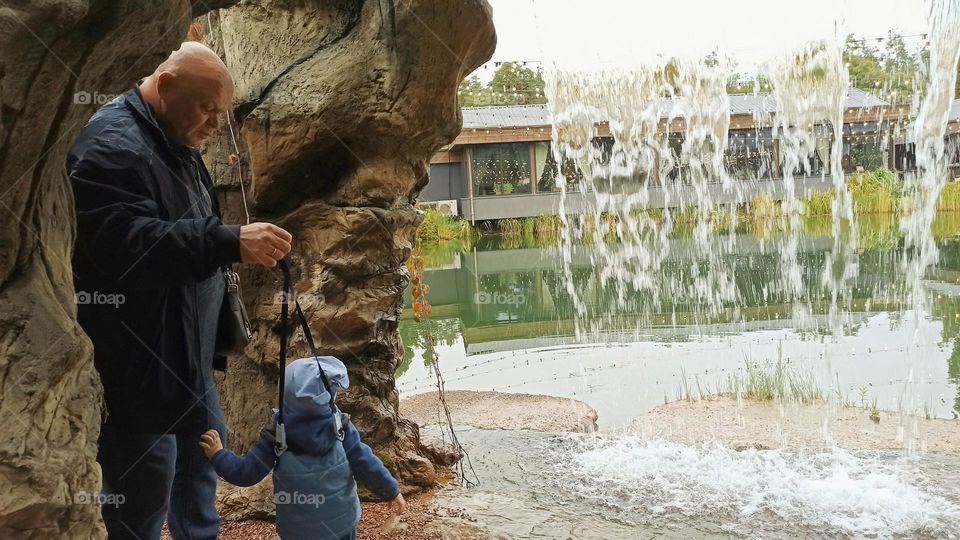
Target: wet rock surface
x=338, y=108
x=59, y=61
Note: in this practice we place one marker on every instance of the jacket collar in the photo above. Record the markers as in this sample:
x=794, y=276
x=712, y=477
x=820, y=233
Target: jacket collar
x=143, y=109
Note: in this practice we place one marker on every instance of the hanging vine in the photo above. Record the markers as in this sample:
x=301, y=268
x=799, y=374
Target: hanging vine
x=421, y=314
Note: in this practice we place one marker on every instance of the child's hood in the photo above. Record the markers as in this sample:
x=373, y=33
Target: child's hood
x=303, y=387
x=306, y=403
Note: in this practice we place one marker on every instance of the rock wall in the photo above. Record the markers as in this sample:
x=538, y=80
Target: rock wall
x=339, y=105
x=59, y=59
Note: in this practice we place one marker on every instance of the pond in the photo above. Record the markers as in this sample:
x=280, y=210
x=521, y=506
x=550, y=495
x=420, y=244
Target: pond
x=503, y=320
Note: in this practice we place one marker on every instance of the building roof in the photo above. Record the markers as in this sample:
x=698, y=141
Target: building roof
x=505, y=116
x=537, y=115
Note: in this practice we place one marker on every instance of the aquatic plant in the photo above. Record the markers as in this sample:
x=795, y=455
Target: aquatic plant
x=440, y=227
x=766, y=382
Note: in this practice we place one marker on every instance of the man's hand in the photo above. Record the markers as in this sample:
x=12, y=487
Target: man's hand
x=210, y=442
x=398, y=505
x=263, y=243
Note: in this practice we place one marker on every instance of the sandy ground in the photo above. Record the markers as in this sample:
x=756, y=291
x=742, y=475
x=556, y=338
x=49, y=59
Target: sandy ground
x=419, y=522
x=771, y=425
x=422, y=520
x=497, y=410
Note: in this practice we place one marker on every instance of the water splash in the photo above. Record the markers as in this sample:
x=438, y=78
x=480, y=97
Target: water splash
x=761, y=491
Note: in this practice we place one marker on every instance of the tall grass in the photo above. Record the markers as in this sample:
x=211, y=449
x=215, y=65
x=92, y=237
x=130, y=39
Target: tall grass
x=766, y=382
x=875, y=192
x=818, y=203
x=547, y=226
x=949, y=200
x=437, y=227
x=510, y=227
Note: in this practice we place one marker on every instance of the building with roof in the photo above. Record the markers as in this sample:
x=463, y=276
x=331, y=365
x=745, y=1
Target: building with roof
x=501, y=165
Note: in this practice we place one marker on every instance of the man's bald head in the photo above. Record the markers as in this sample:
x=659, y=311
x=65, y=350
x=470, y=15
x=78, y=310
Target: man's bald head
x=191, y=90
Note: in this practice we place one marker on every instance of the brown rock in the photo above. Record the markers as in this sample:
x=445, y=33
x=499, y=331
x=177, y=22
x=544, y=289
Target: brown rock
x=59, y=60
x=338, y=107
x=240, y=503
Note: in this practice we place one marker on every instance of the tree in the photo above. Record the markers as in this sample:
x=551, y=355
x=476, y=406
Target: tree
x=512, y=84
x=889, y=71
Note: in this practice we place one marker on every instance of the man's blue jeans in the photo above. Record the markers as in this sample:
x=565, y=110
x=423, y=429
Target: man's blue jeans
x=157, y=476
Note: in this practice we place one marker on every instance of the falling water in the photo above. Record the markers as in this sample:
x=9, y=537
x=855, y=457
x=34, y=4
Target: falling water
x=646, y=168
x=923, y=186
x=636, y=108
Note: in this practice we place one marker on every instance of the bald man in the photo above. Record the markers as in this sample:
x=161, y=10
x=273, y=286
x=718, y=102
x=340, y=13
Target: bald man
x=148, y=262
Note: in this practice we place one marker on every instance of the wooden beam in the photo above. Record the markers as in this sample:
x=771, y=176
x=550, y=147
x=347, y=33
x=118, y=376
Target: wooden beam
x=448, y=156
x=533, y=169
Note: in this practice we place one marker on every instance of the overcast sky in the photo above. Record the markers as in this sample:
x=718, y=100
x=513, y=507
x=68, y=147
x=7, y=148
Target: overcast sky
x=610, y=33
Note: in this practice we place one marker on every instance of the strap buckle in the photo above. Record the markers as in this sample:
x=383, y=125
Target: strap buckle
x=338, y=424
x=280, y=446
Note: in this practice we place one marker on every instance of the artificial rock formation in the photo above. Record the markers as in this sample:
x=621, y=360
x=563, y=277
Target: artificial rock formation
x=59, y=59
x=339, y=105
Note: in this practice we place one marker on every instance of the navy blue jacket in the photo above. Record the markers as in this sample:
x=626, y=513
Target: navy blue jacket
x=148, y=233
x=309, y=424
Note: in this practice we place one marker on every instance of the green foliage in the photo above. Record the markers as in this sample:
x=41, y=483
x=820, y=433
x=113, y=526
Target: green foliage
x=949, y=200
x=764, y=208
x=510, y=227
x=440, y=227
x=886, y=67
x=766, y=382
x=512, y=84
x=875, y=192
x=818, y=203
x=722, y=219
x=547, y=226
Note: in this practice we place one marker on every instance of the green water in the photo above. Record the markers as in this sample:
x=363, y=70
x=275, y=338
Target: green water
x=497, y=301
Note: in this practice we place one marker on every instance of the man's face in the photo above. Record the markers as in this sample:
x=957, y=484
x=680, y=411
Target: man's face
x=194, y=106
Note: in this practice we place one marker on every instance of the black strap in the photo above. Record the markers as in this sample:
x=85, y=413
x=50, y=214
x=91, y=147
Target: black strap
x=288, y=293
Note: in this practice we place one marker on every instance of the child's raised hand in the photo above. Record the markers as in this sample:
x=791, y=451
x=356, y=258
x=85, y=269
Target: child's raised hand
x=210, y=442
x=398, y=505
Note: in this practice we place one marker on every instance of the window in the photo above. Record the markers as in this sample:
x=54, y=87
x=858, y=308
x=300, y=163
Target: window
x=863, y=152
x=864, y=147
x=500, y=169
x=546, y=169
x=749, y=154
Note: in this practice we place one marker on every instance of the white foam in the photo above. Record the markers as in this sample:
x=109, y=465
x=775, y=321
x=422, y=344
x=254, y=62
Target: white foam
x=836, y=492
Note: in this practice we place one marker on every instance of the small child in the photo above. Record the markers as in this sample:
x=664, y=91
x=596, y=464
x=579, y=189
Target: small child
x=314, y=485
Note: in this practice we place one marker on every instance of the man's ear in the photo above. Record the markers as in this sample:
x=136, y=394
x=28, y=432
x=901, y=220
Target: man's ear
x=166, y=83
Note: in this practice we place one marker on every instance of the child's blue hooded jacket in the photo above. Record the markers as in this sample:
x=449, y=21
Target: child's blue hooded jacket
x=313, y=480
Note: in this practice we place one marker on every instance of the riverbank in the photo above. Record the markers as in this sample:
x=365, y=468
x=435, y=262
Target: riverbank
x=739, y=423
x=499, y=410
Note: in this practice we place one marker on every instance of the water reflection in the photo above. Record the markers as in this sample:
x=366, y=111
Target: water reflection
x=503, y=295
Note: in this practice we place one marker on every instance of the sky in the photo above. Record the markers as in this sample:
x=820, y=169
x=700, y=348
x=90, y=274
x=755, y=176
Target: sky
x=604, y=34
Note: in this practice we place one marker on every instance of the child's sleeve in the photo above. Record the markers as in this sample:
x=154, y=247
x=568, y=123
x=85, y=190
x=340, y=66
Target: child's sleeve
x=252, y=467
x=367, y=467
